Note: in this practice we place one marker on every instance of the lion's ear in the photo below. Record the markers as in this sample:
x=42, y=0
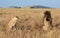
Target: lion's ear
x=11, y=23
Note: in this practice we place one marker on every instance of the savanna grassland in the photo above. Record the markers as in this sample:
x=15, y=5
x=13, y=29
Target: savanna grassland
x=29, y=23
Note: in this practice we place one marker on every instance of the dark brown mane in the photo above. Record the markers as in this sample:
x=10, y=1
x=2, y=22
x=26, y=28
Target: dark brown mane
x=47, y=14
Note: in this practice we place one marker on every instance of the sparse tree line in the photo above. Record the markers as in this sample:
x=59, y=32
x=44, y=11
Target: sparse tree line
x=14, y=7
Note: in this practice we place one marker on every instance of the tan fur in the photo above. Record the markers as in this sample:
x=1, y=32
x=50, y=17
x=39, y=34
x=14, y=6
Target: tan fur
x=46, y=24
x=11, y=23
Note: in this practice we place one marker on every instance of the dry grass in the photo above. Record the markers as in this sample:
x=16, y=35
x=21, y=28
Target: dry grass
x=29, y=23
